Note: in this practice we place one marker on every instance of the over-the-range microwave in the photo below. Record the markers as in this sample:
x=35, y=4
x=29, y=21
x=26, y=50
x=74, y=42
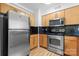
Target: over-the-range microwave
x=57, y=22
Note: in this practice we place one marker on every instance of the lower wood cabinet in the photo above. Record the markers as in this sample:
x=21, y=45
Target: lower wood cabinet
x=43, y=40
x=71, y=45
x=33, y=41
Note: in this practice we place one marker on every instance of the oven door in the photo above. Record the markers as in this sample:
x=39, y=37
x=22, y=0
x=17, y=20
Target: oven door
x=55, y=41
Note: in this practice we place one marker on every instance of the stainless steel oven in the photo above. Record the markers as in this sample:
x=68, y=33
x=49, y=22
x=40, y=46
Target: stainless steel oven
x=56, y=41
x=55, y=44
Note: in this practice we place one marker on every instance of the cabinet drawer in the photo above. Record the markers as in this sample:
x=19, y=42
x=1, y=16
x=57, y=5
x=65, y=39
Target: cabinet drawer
x=72, y=52
x=71, y=45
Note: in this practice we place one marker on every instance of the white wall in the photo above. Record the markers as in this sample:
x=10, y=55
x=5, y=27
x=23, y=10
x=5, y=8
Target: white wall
x=37, y=15
x=39, y=18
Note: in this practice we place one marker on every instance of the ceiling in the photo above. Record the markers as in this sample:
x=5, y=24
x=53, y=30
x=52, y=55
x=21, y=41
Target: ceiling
x=41, y=6
x=46, y=7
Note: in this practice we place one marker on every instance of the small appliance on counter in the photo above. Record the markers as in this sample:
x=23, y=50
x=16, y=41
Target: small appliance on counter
x=14, y=34
x=72, y=30
x=56, y=36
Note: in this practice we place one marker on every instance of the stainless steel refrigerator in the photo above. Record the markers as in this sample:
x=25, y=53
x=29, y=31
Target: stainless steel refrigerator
x=16, y=41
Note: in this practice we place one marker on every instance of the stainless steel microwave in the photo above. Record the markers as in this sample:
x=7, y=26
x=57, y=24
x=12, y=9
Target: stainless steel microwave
x=57, y=22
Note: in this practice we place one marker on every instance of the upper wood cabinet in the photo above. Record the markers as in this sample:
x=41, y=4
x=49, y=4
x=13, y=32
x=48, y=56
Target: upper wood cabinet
x=72, y=15
x=52, y=16
x=32, y=20
x=47, y=20
x=4, y=8
x=60, y=14
x=44, y=20
x=71, y=45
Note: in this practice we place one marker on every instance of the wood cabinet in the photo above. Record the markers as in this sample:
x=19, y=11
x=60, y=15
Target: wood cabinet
x=33, y=41
x=71, y=45
x=32, y=20
x=46, y=18
x=60, y=14
x=4, y=8
x=43, y=40
x=52, y=16
x=72, y=15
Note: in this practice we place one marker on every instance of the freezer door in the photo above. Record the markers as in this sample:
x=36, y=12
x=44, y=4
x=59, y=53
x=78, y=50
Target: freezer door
x=1, y=34
x=17, y=21
x=18, y=43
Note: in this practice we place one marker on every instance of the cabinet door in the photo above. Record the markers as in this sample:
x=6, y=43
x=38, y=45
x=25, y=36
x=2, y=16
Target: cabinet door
x=36, y=40
x=45, y=41
x=47, y=20
x=44, y=20
x=40, y=40
x=51, y=16
x=60, y=14
x=70, y=45
x=32, y=20
x=31, y=42
x=5, y=8
x=72, y=15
